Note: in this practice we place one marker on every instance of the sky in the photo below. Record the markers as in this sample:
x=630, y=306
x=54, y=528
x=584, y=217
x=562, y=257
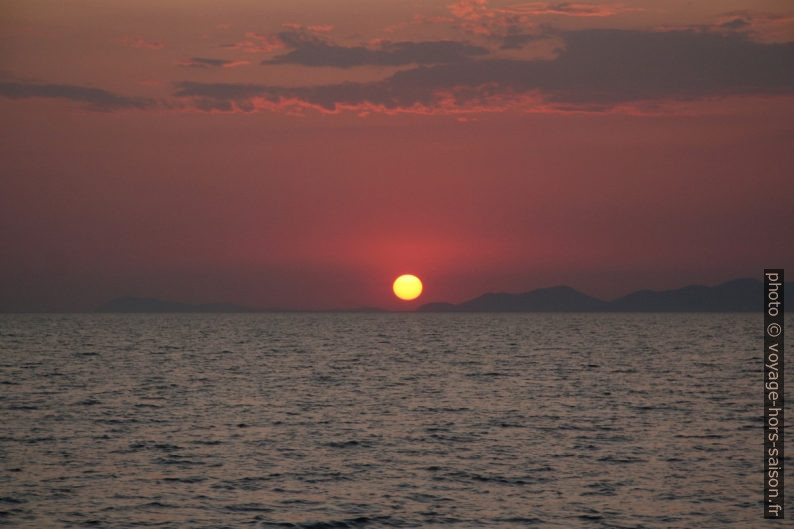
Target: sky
x=304, y=153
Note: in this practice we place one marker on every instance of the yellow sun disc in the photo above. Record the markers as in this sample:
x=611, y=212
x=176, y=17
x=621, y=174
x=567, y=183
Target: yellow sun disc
x=407, y=287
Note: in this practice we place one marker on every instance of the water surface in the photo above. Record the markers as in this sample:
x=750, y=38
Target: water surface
x=381, y=420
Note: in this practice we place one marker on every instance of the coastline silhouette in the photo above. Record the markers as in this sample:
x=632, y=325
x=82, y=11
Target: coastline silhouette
x=738, y=295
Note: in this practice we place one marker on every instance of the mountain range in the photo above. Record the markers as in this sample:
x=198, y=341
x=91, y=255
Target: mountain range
x=740, y=295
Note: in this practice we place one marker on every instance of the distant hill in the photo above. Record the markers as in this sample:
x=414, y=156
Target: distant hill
x=554, y=299
x=152, y=305
x=740, y=295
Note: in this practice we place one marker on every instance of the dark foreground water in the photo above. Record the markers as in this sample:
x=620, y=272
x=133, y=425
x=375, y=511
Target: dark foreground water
x=392, y=420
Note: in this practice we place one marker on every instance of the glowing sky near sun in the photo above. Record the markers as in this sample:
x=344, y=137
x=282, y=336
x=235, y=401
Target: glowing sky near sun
x=303, y=153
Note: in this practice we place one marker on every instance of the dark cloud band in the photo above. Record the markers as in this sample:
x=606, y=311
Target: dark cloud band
x=205, y=62
x=309, y=50
x=95, y=98
x=596, y=67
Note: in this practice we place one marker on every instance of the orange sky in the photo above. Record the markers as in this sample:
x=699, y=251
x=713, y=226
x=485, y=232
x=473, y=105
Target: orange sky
x=302, y=154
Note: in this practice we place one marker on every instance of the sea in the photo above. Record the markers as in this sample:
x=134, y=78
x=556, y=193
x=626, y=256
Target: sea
x=324, y=421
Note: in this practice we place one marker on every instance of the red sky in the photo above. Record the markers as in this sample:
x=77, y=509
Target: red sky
x=302, y=154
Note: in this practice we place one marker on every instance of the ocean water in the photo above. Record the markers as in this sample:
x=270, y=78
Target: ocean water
x=381, y=420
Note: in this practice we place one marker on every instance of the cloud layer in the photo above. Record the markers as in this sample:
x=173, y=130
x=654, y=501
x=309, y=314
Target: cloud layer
x=309, y=50
x=94, y=98
x=205, y=62
x=595, y=68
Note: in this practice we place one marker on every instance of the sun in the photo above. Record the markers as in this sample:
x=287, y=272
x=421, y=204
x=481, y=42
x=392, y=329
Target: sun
x=407, y=287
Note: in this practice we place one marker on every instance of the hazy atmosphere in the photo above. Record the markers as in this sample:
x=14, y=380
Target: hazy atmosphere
x=302, y=154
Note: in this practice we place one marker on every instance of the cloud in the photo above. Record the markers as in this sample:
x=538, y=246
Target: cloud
x=597, y=69
x=256, y=43
x=93, y=98
x=314, y=28
x=478, y=17
x=479, y=9
x=249, y=97
x=758, y=26
x=764, y=27
x=519, y=40
x=203, y=62
x=141, y=43
x=219, y=90
x=310, y=50
x=570, y=9
x=735, y=23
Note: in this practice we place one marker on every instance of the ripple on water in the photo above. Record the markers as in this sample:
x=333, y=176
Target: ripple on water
x=320, y=421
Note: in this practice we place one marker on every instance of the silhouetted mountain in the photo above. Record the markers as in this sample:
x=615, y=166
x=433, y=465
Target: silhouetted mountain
x=740, y=295
x=132, y=304
x=554, y=299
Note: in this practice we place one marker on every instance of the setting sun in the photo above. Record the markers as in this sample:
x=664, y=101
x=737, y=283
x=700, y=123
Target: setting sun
x=407, y=287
